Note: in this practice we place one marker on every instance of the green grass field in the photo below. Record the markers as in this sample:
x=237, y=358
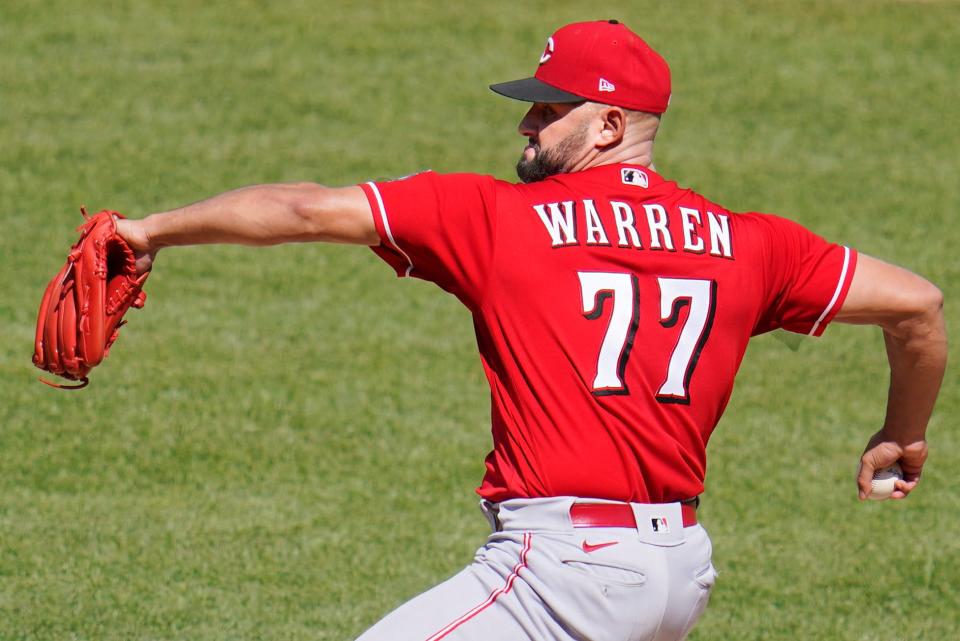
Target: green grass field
x=284, y=442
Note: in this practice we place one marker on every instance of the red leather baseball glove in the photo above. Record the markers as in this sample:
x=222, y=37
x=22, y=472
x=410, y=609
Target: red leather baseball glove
x=83, y=306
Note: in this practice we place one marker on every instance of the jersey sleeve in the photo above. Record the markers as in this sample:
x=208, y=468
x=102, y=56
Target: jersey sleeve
x=440, y=228
x=806, y=277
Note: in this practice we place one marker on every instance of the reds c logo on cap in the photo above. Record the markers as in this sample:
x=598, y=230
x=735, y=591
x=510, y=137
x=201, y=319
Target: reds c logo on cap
x=547, y=51
x=601, y=61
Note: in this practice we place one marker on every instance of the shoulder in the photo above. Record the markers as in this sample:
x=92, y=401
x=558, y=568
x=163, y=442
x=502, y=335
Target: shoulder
x=429, y=189
x=432, y=179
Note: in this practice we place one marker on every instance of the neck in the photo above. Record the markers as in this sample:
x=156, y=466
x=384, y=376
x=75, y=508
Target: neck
x=634, y=147
x=640, y=153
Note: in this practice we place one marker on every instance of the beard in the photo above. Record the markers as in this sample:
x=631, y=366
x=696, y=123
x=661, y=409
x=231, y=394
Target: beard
x=546, y=163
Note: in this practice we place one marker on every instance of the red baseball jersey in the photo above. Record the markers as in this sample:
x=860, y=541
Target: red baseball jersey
x=612, y=309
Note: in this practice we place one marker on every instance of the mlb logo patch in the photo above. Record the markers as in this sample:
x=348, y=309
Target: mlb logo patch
x=636, y=177
x=659, y=524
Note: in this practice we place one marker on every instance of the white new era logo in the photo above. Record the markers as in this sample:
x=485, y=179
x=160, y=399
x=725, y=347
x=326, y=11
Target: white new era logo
x=606, y=85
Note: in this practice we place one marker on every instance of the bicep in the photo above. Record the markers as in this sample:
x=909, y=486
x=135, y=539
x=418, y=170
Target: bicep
x=886, y=295
x=336, y=214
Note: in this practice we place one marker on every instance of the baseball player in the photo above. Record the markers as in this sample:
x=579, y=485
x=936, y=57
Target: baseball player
x=612, y=309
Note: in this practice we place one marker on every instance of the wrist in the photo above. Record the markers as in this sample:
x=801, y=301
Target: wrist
x=150, y=233
x=899, y=436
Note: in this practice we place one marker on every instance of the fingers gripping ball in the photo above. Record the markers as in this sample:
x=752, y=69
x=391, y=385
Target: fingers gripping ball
x=884, y=482
x=82, y=308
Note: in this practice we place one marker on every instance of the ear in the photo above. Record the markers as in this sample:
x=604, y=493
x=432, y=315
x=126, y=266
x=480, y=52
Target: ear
x=613, y=124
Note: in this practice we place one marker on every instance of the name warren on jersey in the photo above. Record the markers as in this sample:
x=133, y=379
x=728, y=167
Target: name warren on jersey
x=612, y=309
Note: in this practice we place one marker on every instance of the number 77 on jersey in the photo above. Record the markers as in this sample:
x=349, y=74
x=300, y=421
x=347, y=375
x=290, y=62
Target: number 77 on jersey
x=622, y=290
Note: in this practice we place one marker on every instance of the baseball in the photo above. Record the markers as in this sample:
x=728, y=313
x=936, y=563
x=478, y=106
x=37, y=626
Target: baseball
x=882, y=485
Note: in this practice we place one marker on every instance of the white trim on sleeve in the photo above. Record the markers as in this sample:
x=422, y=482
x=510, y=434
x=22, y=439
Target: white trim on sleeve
x=836, y=293
x=386, y=227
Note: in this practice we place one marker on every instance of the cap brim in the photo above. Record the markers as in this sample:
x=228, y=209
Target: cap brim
x=533, y=90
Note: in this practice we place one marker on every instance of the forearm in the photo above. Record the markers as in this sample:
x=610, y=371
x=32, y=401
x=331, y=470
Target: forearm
x=917, y=353
x=258, y=215
x=909, y=309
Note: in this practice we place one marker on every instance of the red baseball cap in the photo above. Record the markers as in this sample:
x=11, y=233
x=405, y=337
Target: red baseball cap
x=601, y=61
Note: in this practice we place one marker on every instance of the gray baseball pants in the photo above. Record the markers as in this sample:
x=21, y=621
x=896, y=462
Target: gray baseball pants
x=538, y=578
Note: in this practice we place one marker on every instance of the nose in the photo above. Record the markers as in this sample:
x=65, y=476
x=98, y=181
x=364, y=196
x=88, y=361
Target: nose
x=529, y=125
